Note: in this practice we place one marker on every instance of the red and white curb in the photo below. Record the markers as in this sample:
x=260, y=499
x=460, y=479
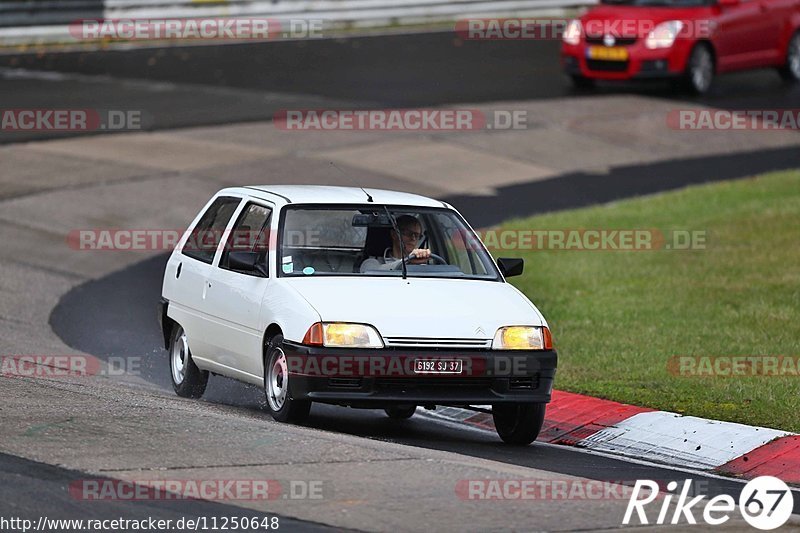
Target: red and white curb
x=659, y=437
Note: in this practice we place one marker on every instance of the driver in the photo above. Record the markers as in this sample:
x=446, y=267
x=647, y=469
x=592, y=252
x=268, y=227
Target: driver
x=411, y=233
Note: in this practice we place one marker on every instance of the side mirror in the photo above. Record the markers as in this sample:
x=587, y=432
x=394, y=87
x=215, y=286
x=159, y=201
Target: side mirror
x=245, y=262
x=510, y=266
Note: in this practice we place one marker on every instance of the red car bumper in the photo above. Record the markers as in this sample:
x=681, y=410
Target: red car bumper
x=642, y=63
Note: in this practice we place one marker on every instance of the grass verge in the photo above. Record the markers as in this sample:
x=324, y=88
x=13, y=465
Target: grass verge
x=618, y=317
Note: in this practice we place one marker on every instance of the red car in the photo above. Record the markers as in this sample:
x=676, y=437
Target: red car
x=687, y=40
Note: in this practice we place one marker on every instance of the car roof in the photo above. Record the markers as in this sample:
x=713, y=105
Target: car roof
x=326, y=194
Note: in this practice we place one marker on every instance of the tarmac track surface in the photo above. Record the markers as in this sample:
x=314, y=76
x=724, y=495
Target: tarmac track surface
x=25, y=485
x=218, y=84
x=187, y=86
x=115, y=317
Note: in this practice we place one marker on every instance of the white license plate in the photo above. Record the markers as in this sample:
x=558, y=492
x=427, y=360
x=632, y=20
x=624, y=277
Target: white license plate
x=438, y=366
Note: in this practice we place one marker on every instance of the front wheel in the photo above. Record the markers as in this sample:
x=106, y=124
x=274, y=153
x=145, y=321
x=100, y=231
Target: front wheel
x=700, y=70
x=187, y=380
x=518, y=423
x=791, y=70
x=401, y=412
x=582, y=82
x=277, y=386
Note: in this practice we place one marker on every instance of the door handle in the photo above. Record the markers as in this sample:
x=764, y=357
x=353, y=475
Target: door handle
x=178, y=271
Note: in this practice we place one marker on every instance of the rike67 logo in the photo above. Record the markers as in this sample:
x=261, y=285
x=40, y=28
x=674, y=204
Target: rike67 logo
x=765, y=503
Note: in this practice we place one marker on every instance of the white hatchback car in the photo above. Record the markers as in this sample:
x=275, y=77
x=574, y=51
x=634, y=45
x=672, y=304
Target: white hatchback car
x=356, y=297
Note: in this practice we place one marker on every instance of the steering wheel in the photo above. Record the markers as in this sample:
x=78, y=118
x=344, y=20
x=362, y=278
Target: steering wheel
x=433, y=256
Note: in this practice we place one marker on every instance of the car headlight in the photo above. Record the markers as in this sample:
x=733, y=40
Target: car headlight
x=522, y=338
x=573, y=31
x=343, y=335
x=664, y=35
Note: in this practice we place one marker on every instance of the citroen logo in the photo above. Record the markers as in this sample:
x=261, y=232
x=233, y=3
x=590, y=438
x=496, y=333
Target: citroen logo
x=609, y=40
x=480, y=331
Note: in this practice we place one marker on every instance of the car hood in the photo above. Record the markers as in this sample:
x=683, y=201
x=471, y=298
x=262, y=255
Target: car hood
x=419, y=307
x=654, y=15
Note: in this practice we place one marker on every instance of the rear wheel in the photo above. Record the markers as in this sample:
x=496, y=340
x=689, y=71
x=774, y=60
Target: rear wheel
x=401, y=412
x=791, y=70
x=700, y=69
x=518, y=423
x=277, y=386
x=187, y=380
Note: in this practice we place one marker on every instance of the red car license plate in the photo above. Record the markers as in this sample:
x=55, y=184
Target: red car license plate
x=615, y=53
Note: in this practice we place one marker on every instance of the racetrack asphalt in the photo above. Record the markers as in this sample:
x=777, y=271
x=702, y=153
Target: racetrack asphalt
x=96, y=307
x=107, y=308
x=30, y=490
x=185, y=86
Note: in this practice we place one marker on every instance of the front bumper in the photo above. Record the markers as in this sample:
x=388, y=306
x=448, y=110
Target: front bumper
x=371, y=378
x=642, y=63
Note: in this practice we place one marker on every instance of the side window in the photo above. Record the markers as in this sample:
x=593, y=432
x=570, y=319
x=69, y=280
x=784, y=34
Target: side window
x=459, y=250
x=206, y=235
x=249, y=234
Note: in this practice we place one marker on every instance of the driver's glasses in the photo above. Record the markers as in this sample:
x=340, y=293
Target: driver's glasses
x=411, y=235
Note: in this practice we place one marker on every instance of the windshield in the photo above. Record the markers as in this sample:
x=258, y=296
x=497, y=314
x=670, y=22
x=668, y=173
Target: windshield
x=660, y=3
x=358, y=241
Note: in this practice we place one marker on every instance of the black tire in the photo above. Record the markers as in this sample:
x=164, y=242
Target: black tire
x=401, y=412
x=187, y=380
x=285, y=408
x=791, y=70
x=700, y=69
x=582, y=82
x=518, y=424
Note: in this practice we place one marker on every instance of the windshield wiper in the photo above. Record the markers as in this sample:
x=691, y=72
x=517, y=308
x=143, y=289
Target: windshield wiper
x=399, y=240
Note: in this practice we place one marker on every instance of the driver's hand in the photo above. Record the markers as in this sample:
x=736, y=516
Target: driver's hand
x=421, y=255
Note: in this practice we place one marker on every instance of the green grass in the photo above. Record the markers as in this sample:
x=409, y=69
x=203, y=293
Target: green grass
x=618, y=316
